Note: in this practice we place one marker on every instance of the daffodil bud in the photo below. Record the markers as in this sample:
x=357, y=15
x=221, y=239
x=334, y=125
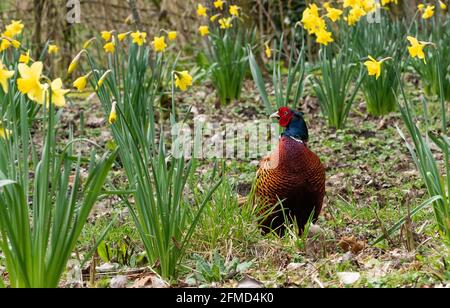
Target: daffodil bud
x=113, y=115
x=102, y=80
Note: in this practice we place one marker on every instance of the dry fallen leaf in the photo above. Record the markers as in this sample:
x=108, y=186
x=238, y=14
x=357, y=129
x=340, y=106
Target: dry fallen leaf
x=150, y=281
x=352, y=244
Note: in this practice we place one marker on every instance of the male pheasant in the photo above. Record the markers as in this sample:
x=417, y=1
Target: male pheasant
x=291, y=182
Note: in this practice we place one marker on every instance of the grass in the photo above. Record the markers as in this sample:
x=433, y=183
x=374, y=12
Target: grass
x=371, y=182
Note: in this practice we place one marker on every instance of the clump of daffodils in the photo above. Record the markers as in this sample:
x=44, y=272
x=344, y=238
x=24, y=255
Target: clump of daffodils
x=222, y=17
x=316, y=25
x=9, y=35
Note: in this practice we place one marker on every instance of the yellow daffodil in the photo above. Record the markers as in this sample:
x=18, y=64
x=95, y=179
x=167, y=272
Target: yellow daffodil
x=16, y=44
x=334, y=14
x=139, y=38
x=113, y=114
x=110, y=47
x=73, y=65
x=159, y=44
x=58, y=94
x=350, y=3
x=106, y=35
x=416, y=48
x=214, y=18
x=204, y=30
x=421, y=6
x=29, y=83
x=368, y=5
x=25, y=57
x=201, y=11
x=374, y=66
x=219, y=4
x=311, y=20
x=268, y=51
x=443, y=6
x=122, y=36
x=81, y=82
x=53, y=49
x=5, y=44
x=324, y=37
x=386, y=2
x=172, y=35
x=14, y=29
x=183, y=80
x=429, y=12
x=5, y=75
x=234, y=10
x=4, y=133
x=225, y=23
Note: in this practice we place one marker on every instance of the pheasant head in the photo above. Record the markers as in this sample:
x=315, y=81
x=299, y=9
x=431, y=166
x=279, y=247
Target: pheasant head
x=293, y=122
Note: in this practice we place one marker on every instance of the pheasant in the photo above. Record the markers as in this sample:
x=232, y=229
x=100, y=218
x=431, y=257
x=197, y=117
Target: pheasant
x=291, y=182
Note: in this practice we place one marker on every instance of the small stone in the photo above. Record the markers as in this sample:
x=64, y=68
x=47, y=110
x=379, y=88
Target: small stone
x=119, y=282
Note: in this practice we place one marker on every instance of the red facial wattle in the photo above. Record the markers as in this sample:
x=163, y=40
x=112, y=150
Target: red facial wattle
x=286, y=116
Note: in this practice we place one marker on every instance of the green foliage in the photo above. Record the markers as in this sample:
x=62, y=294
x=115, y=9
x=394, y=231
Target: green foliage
x=380, y=40
x=164, y=219
x=289, y=95
x=217, y=270
x=429, y=72
x=437, y=183
x=228, y=60
x=337, y=86
x=37, y=241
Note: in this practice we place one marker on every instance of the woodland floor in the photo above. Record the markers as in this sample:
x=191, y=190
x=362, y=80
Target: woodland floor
x=371, y=183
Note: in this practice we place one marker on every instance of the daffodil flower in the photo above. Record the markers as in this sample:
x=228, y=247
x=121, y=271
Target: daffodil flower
x=110, y=47
x=225, y=23
x=416, y=48
x=201, y=11
x=204, y=30
x=5, y=75
x=123, y=36
x=81, y=82
x=53, y=49
x=58, y=93
x=334, y=14
x=172, y=35
x=429, y=12
x=374, y=66
x=324, y=37
x=219, y=4
x=14, y=29
x=29, y=83
x=159, y=44
x=25, y=58
x=234, y=10
x=106, y=35
x=139, y=38
x=183, y=80
x=268, y=51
